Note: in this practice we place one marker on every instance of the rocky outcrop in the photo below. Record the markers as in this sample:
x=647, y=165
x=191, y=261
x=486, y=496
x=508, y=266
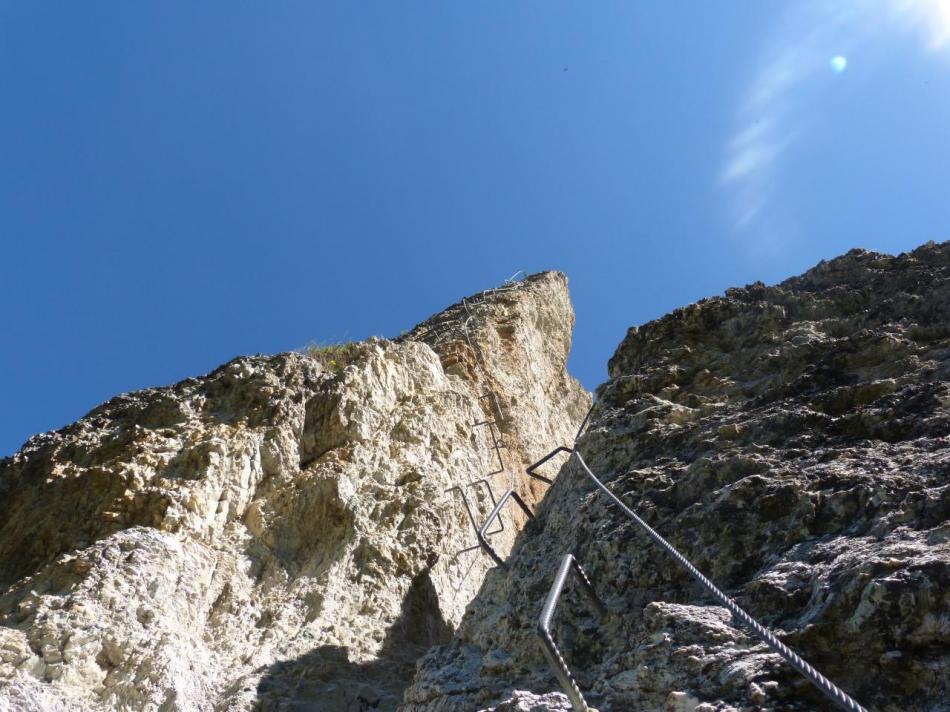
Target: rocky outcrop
x=288, y=531
x=794, y=442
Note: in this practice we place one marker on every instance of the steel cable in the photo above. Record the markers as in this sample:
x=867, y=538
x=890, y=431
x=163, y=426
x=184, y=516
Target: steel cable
x=835, y=693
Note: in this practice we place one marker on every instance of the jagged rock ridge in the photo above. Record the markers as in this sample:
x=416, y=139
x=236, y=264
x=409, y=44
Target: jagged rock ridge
x=794, y=442
x=278, y=533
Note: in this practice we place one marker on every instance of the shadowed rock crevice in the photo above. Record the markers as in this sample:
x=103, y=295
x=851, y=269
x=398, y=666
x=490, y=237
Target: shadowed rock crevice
x=325, y=679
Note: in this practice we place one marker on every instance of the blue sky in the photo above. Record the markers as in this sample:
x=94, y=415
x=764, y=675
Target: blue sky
x=181, y=183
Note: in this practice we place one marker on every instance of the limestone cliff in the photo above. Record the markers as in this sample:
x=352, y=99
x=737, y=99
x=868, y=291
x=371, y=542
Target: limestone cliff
x=283, y=532
x=794, y=442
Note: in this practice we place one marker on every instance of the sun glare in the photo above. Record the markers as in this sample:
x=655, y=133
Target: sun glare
x=838, y=64
x=932, y=16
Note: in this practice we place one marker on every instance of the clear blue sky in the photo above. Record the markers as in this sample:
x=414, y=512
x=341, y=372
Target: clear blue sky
x=181, y=183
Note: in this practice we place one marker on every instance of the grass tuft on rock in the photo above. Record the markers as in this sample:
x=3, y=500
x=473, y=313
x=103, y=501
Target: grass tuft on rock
x=335, y=357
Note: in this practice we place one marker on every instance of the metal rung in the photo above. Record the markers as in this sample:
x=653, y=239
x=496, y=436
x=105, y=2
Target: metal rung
x=561, y=671
x=500, y=414
x=496, y=445
x=486, y=422
x=510, y=494
x=532, y=468
x=468, y=508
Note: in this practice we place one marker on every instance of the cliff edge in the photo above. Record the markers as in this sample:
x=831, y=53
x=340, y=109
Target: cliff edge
x=288, y=531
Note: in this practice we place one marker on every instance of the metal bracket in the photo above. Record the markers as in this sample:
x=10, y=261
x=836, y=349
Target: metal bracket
x=497, y=445
x=548, y=646
x=482, y=531
x=532, y=468
x=499, y=413
x=468, y=508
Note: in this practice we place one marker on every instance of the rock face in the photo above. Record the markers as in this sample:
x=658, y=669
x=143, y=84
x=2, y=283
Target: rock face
x=794, y=442
x=285, y=532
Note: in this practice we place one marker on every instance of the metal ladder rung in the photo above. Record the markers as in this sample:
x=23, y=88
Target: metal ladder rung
x=468, y=507
x=561, y=671
x=531, y=469
x=482, y=531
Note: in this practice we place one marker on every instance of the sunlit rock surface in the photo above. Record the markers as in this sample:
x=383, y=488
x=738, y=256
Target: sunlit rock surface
x=281, y=533
x=794, y=442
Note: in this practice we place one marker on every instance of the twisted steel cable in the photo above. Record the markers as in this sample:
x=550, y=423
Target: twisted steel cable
x=832, y=691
